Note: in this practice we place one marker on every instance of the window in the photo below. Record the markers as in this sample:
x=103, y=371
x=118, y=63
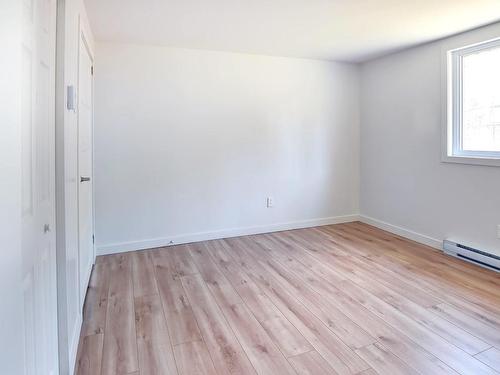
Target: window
x=473, y=113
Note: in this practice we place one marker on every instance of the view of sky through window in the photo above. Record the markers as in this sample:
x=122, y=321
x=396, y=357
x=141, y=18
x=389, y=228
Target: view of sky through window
x=481, y=101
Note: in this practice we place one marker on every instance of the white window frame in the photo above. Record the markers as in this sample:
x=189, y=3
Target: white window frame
x=452, y=149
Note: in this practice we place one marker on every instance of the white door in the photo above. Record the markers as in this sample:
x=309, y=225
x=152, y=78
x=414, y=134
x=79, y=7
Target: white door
x=85, y=157
x=38, y=189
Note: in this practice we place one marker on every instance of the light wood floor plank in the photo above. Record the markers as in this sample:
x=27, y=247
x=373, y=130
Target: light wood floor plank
x=344, y=299
x=261, y=350
x=263, y=354
x=438, y=263
x=90, y=355
x=143, y=274
x=487, y=332
x=193, y=359
x=452, y=333
x=311, y=363
x=383, y=361
x=226, y=352
x=220, y=287
x=330, y=254
x=403, y=253
x=335, y=351
x=178, y=312
x=399, y=344
x=181, y=261
x=349, y=332
x=447, y=330
x=96, y=301
x=281, y=331
x=120, y=344
x=262, y=308
x=491, y=357
x=155, y=352
x=434, y=257
x=453, y=294
x=427, y=339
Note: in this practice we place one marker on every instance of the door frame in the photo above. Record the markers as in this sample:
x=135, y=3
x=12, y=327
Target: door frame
x=70, y=26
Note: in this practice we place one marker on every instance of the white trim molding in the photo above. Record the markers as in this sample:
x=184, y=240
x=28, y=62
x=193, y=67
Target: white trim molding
x=452, y=53
x=403, y=232
x=218, y=234
x=73, y=344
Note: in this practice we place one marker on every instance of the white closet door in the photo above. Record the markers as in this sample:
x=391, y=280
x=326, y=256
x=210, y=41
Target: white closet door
x=38, y=197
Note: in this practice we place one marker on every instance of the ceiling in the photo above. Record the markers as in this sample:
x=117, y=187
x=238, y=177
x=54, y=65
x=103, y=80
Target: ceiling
x=344, y=30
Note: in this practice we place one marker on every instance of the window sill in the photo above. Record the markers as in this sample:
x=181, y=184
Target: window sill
x=489, y=162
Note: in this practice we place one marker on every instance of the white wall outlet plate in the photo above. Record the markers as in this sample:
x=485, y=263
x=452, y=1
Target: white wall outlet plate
x=71, y=98
x=270, y=202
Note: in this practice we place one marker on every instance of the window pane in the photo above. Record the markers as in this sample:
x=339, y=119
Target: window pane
x=481, y=101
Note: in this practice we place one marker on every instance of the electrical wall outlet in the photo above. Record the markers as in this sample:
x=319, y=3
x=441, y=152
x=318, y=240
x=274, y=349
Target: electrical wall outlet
x=270, y=202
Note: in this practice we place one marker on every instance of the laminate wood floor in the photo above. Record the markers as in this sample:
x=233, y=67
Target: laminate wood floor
x=338, y=299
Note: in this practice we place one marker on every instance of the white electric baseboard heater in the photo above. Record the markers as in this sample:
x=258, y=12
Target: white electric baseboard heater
x=469, y=254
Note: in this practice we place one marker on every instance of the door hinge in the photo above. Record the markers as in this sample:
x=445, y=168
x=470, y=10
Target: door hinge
x=93, y=239
x=92, y=70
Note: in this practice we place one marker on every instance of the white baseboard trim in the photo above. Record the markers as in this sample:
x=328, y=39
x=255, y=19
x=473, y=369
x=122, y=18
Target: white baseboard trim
x=403, y=232
x=73, y=344
x=225, y=233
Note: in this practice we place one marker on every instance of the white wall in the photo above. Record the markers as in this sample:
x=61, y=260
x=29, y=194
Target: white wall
x=189, y=143
x=72, y=20
x=11, y=288
x=403, y=181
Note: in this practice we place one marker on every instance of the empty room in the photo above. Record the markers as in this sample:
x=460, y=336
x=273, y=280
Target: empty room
x=303, y=187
